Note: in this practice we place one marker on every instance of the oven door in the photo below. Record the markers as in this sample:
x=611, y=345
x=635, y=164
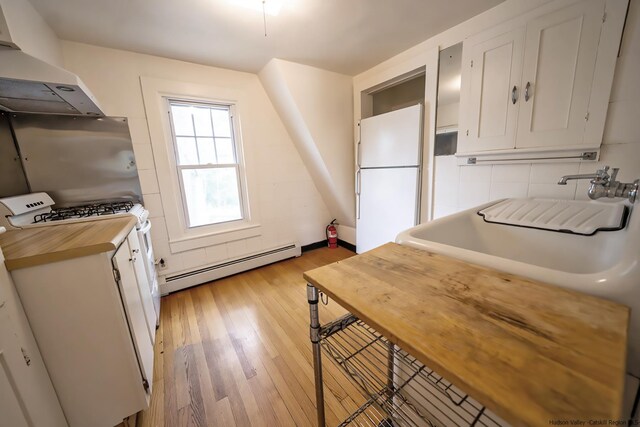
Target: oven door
x=144, y=235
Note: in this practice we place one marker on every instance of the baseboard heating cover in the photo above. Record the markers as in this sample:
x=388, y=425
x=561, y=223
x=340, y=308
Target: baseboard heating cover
x=227, y=268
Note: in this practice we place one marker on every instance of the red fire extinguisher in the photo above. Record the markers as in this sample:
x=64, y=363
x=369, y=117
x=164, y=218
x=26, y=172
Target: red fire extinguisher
x=332, y=235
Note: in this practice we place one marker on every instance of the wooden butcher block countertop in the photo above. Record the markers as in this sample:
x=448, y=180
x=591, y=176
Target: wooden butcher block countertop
x=41, y=245
x=528, y=351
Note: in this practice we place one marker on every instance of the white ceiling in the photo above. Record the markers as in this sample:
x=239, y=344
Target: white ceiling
x=347, y=36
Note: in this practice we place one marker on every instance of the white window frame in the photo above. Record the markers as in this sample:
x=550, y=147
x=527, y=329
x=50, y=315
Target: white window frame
x=238, y=165
x=164, y=182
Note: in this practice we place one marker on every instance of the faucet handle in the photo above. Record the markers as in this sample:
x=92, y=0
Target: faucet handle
x=602, y=176
x=614, y=174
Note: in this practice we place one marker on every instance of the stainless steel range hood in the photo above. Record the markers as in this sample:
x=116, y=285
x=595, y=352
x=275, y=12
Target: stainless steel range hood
x=30, y=85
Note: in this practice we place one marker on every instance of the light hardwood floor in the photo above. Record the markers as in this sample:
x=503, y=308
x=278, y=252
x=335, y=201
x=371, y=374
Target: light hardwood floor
x=236, y=352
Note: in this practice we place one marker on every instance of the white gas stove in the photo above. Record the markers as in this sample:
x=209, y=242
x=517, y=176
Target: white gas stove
x=35, y=210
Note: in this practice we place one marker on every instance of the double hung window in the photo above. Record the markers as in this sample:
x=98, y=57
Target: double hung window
x=208, y=162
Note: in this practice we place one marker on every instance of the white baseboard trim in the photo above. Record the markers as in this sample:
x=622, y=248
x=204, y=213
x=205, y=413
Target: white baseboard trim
x=188, y=279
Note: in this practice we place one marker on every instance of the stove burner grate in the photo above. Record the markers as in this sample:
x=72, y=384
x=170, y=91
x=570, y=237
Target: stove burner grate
x=84, y=211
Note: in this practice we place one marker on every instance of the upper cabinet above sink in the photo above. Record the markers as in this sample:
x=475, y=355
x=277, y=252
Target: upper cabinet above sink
x=540, y=84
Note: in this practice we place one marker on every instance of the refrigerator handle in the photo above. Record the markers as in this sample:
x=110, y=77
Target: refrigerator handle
x=358, y=194
x=358, y=154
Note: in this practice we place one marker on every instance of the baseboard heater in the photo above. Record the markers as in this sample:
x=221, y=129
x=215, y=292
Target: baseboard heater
x=228, y=268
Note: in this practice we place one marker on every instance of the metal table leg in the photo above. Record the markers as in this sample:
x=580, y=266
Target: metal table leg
x=314, y=333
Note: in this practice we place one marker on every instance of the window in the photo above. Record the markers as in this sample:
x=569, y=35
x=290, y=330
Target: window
x=207, y=162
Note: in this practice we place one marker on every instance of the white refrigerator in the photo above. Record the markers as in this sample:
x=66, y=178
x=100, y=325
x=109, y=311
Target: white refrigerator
x=388, y=177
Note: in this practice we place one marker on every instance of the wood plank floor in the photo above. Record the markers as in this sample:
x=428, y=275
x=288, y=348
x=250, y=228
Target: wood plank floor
x=236, y=352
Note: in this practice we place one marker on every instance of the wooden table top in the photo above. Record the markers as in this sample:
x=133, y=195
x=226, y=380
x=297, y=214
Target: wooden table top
x=41, y=245
x=528, y=351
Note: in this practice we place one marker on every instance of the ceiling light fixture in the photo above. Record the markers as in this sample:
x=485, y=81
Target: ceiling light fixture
x=268, y=7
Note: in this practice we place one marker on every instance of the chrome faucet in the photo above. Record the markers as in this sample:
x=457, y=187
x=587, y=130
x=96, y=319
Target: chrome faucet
x=605, y=185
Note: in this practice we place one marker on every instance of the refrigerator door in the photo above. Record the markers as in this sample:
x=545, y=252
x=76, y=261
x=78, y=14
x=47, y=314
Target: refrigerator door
x=391, y=139
x=387, y=205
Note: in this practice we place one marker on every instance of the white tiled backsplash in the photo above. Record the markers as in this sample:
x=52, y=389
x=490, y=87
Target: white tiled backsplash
x=463, y=187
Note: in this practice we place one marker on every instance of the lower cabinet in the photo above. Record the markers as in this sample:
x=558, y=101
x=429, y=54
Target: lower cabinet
x=27, y=397
x=88, y=317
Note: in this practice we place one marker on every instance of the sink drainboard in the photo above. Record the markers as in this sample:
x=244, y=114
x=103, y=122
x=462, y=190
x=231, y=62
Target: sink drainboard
x=567, y=216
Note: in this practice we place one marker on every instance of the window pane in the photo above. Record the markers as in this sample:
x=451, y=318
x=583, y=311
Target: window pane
x=182, y=124
x=207, y=151
x=212, y=195
x=202, y=120
x=221, y=122
x=187, y=152
x=226, y=154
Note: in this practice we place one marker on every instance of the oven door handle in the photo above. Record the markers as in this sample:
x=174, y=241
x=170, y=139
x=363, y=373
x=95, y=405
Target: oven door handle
x=146, y=227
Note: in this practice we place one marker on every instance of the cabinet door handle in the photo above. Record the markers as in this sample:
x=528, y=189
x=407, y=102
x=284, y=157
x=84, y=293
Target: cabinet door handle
x=514, y=94
x=527, y=95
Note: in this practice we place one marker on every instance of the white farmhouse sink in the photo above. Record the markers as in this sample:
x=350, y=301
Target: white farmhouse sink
x=605, y=264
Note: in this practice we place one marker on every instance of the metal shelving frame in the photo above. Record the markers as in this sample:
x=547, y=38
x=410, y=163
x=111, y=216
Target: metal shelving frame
x=400, y=390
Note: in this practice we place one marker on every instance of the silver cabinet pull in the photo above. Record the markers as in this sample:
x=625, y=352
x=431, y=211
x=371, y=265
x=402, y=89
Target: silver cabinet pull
x=526, y=92
x=514, y=94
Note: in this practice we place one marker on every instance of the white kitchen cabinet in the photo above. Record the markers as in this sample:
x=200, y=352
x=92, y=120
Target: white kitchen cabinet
x=87, y=316
x=533, y=86
x=559, y=64
x=134, y=295
x=496, y=67
x=27, y=397
x=11, y=359
x=137, y=257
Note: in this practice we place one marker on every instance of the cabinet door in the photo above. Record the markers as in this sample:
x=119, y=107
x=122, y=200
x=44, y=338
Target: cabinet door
x=134, y=309
x=144, y=289
x=494, y=72
x=559, y=63
x=27, y=397
x=12, y=365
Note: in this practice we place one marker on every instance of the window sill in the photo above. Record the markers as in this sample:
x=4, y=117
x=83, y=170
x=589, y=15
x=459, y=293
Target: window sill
x=244, y=231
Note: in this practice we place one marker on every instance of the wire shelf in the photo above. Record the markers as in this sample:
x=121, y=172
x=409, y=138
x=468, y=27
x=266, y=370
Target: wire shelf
x=368, y=415
x=401, y=390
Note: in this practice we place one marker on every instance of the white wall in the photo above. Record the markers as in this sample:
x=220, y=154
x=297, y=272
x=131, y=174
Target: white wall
x=30, y=32
x=288, y=204
x=315, y=106
x=462, y=187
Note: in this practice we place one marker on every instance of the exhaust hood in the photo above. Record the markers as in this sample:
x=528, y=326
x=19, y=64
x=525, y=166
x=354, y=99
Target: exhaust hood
x=30, y=85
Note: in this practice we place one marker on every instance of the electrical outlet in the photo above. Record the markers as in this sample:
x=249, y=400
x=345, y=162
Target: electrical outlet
x=162, y=264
